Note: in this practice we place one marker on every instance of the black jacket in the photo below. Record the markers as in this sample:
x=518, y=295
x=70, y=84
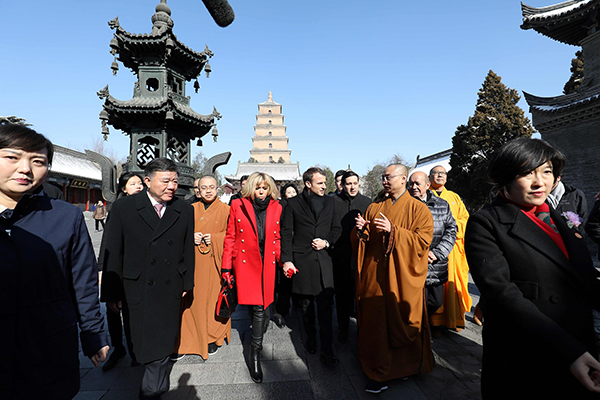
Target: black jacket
x=348, y=208
x=538, y=303
x=299, y=228
x=148, y=264
x=444, y=236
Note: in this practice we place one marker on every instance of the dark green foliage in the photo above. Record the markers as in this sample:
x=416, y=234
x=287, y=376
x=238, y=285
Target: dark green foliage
x=576, y=74
x=330, y=179
x=496, y=121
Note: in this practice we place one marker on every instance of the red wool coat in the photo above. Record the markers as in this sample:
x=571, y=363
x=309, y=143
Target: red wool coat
x=255, y=281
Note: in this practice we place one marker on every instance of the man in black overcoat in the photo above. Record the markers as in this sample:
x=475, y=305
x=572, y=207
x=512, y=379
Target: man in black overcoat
x=149, y=264
x=311, y=225
x=349, y=203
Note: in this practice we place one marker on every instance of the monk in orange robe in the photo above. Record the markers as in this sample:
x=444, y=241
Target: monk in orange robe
x=200, y=325
x=392, y=243
x=457, y=300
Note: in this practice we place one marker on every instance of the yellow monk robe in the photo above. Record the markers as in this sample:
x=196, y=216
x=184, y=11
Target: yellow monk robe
x=457, y=300
x=199, y=322
x=394, y=339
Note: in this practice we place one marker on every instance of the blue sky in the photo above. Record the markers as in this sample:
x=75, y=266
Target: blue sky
x=359, y=81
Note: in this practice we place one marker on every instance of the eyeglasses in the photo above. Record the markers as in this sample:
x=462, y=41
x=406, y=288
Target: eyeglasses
x=211, y=187
x=441, y=173
x=388, y=177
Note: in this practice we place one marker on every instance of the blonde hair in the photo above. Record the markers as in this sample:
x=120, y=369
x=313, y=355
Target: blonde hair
x=256, y=179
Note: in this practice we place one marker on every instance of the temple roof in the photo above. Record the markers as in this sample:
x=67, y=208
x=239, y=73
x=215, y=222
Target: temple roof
x=159, y=47
x=550, y=105
x=279, y=171
x=72, y=163
x=568, y=22
x=425, y=164
x=269, y=101
x=120, y=111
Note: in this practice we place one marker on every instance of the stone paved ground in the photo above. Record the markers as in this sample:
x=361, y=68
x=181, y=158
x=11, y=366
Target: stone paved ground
x=289, y=371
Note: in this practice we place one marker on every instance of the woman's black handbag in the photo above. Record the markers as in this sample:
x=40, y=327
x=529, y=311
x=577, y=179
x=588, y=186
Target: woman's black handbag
x=227, y=301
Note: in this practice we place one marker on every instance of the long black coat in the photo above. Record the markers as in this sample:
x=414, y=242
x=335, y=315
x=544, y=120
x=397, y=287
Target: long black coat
x=537, y=303
x=149, y=263
x=299, y=228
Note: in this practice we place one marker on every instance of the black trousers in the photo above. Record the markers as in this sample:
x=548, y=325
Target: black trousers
x=99, y=221
x=435, y=298
x=343, y=276
x=116, y=327
x=324, y=302
x=156, y=377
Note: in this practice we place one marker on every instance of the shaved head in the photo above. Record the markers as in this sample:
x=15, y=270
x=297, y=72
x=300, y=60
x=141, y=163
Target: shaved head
x=418, y=183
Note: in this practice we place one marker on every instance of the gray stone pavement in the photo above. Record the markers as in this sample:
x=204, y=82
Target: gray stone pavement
x=289, y=371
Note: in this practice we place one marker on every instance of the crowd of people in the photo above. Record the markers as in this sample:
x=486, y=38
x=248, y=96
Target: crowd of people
x=398, y=264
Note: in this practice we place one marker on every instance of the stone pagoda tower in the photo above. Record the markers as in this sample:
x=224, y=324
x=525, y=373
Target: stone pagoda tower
x=270, y=142
x=572, y=122
x=270, y=153
x=158, y=119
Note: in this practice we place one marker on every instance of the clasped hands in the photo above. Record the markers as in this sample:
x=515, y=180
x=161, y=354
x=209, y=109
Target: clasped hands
x=382, y=223
x=199, y=238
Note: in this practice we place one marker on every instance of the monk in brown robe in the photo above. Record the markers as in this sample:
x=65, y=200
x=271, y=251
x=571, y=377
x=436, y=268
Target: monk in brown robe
x=202, y=331
x=392, y=243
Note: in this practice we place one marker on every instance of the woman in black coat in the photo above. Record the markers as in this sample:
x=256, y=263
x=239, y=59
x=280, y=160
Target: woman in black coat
x=537, y=283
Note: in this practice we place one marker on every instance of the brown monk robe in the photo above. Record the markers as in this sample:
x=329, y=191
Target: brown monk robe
x=394, y=340
x=199, y=322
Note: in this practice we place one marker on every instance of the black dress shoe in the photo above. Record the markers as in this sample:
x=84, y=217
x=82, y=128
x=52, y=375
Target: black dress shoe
x=113, y=359
x=255, y=368
x=329, y=358
x=311, y=345
x=279, y=321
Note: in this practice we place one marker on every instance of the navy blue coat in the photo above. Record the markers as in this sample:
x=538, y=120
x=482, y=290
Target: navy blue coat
x=48, y=285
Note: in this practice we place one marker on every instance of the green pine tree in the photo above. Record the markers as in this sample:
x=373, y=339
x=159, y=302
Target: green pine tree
x=576, y=74
x=496, y=121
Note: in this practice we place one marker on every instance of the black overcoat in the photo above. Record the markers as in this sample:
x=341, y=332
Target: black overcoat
x=149, y=263
x=299, y=228
x=537, y=303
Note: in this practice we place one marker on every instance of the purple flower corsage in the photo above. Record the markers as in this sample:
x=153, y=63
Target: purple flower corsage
x=573, y=220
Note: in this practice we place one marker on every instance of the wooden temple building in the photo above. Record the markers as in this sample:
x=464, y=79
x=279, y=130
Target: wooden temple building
x=158, y=119
x=572, y=122
x=270, y=153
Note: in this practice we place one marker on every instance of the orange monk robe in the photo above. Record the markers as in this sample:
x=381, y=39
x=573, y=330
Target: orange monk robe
x=394, y=339
x=457, y=300
x=199, y=322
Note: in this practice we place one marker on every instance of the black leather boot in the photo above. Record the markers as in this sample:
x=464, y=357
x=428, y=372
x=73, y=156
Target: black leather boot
x=258, y=317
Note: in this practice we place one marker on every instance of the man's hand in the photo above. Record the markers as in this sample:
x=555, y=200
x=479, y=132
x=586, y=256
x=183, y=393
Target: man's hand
x=184, y=293
x=431, y=258
x=383, y=223
x=360, y=222
x=206, y=238
x=198, y=238
x=100, y=356
x=289, y=269
x=319, y=244
x=586, y=369
x=115, y=306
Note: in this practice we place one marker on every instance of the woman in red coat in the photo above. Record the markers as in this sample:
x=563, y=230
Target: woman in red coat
x=252, y=249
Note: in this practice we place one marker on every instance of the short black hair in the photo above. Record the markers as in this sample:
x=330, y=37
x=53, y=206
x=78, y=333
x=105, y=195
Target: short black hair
x=123, y=179
x=160, y=164
x=339, y=173
x=19, y=136
x=244, y=178
x=520, y=156
x=307, y=176
x=348, y=174
x=286, y=186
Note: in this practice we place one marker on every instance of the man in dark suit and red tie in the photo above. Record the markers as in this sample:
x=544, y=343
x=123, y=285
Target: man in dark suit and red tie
x=149, y=264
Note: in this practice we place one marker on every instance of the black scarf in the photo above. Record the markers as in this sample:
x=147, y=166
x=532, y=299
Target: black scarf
x=260, y=211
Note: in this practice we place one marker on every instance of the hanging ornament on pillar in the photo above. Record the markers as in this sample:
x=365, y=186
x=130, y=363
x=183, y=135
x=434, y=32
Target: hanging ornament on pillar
x=215, y=133
x=207, y=69
x=196, y=85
